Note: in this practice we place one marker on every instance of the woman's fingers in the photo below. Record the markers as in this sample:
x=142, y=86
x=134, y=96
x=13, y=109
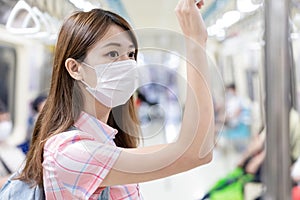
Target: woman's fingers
x=179, y=6
x=196, y=2
x=199, y=4
x=190, y=20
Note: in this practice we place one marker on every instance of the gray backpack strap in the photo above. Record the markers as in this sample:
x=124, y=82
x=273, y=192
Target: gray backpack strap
x=72, y=128
x=105, y=194
x=15, y=189
x=5, y=166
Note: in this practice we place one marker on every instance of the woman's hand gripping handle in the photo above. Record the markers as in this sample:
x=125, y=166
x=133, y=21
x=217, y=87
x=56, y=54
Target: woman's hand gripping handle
x=198, y=121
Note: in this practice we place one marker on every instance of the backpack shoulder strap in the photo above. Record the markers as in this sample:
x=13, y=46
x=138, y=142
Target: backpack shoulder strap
x=104, y=194
x=72, y=128
x=5, y=166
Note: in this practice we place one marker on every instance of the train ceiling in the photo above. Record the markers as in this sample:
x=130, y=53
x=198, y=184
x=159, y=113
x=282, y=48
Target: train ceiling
x=141, y=13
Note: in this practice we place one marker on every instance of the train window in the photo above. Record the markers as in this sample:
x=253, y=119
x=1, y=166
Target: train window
x=7, y=77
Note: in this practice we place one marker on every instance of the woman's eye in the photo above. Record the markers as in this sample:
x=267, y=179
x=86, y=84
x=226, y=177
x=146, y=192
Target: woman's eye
x=113, y=54
x=131, y=55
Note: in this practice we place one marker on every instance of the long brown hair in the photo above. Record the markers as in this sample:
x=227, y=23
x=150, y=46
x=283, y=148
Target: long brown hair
x=64, y=104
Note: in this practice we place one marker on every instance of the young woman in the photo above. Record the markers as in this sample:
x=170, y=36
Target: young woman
x=81, y=147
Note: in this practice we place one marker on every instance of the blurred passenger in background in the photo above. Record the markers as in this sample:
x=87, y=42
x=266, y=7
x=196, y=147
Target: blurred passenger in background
x=10, y=156
x=36, y=107
x=237, y=121
x=244, y=182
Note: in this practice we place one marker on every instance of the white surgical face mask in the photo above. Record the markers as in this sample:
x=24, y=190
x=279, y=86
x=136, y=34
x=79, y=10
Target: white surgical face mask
x=116, y=82
x=5, y=129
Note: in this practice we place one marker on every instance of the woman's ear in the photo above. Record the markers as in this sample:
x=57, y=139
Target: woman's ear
x=72, y=67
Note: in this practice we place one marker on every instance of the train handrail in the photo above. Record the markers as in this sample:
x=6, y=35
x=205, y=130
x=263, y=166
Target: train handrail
x=21, y=6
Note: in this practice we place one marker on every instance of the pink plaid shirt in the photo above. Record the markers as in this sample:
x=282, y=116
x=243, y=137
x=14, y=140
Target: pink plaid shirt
x=76, y=162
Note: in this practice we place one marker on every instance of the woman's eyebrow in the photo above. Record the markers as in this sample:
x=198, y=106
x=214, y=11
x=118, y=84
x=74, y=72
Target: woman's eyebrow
x=117, y=44
x=112, y=44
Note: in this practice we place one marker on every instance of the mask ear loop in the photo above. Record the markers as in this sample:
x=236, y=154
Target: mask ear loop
x=85, y=83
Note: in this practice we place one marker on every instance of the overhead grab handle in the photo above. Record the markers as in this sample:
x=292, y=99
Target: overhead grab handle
x=23, y=20
x=44, y=28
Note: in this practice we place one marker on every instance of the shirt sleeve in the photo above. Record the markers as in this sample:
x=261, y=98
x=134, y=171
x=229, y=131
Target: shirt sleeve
x=82, y=165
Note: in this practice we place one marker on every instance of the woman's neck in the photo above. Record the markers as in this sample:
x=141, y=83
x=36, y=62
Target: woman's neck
x=96, y=109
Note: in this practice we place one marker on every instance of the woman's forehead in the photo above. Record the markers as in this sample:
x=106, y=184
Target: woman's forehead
x=117, y=35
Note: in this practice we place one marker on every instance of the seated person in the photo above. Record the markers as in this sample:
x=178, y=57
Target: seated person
x=10, y=156
x=36, y=106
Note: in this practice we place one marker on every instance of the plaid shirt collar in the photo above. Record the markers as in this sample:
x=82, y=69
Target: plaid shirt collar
x=90, y=124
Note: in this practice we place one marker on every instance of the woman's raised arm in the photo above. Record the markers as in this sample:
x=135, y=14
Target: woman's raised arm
x=194, y=145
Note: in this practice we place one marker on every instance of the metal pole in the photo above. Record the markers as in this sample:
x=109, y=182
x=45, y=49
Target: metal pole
x=277, y=72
